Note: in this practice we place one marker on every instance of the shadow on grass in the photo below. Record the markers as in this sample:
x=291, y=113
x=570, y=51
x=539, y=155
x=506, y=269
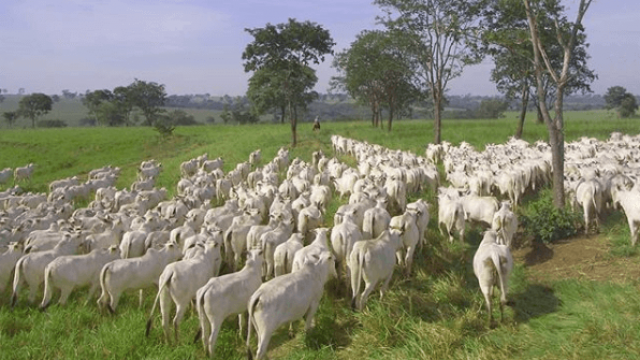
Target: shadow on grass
x=537, y=300
x=539, y=254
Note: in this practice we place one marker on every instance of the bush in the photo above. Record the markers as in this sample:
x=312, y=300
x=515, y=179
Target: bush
x=546, y=223
x=52, y=123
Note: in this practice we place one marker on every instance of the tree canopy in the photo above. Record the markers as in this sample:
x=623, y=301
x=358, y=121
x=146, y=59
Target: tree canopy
x=622, y=101
x=376, y=71
x=283, y=52
x=35, y=105
x=443, y=38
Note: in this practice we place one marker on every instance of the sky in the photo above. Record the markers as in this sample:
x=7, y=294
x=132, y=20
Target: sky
x=195, y=46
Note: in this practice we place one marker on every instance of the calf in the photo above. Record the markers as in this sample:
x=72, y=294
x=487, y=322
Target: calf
x=492, y=258
x=451, y=216
x=67, y=272
x=406, y=224
x=227, y=295
x=287, y=298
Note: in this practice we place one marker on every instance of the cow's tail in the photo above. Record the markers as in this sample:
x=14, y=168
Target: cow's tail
x=497, y=262
x=48, y=289
x=356, y=277
x=163, y=283
x=253, y=302
x=16, y=282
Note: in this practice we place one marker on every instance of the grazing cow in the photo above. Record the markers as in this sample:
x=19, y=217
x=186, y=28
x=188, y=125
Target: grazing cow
x=288, y=298
x=68, y=272
x=134, y=274
x=492, y=258
x=227, y=295
x=373, y=261
x=179, y=283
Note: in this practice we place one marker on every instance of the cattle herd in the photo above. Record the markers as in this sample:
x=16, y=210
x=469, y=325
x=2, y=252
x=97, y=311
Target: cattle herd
x=268, y=236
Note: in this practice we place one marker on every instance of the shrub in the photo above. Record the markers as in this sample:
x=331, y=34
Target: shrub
x=52, y=123
x=546, y=223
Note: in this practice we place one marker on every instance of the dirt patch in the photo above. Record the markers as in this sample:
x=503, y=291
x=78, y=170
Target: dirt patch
x=585, y=257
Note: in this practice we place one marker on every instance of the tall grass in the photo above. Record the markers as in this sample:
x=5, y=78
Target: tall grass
x=437, y=313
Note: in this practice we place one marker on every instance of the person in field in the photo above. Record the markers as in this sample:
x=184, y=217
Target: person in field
x=316, y=124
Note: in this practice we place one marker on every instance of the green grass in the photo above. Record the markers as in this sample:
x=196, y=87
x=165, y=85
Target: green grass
x=437, y=313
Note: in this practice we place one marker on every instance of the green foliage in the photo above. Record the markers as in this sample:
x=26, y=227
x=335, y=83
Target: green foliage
x=492, y=109
x=10, y=117
x=35, y=105
x=283, y=53
x=51, y=123
x=546, y=223
x=180, y=118
x=148, y=96
x=376, y=71
x=624, y=102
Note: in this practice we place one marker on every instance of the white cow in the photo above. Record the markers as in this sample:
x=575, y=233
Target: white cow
x=30, y=267
x=451, y=216
x=311, y=251
x=68, y=272
x=492, y=258
x=134, y=274
x=23, y=173
x=407, y=225
x=421, y=209
x=285, y=252
x=376, y=220
x=179, y=283
x=8, y=260
x=630, y=203
x=372, y=261
x=480, y=208
x=287, y=298
x=227, y=295
x=589, y=194
x=343, y=237
x=505, y=224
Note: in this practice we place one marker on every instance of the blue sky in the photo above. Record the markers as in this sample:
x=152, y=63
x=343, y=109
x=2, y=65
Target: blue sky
x=195, y=46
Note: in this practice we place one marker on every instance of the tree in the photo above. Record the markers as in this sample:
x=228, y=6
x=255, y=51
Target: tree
x=567, y=34
x=10, y=117
x=68, y=94
x=618, y=98
x=287, y=49
x=148, y=96
x=266, y=91
x=376, y=72
x=443, y=38
x=507, y=37
x=35, y=105
x=628, y=106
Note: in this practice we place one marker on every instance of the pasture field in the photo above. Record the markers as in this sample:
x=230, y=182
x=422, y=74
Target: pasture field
x=437, y=313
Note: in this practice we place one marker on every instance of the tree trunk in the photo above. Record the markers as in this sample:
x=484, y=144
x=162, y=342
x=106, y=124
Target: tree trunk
x=294, y=124
x=523, y=110
x=282, y=109
x=437, y=102
x=390, y=118
x=557, y=128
